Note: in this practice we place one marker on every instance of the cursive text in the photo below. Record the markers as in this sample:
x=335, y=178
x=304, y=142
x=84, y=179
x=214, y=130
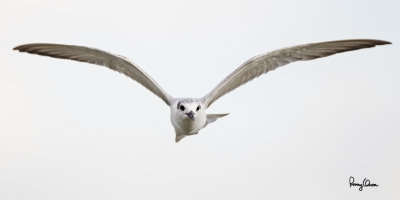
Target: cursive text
x=365, y=183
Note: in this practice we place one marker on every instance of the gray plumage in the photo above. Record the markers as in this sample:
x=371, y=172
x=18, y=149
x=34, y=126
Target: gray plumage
x=264, y=63
x=188, y=114
x=98, y=57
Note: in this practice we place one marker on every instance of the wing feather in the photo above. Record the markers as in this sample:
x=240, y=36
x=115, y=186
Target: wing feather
x=261, y=64
x=98, y=57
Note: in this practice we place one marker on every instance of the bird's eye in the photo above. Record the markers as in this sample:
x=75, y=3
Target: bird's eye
x=182, y=107
x=198, y=108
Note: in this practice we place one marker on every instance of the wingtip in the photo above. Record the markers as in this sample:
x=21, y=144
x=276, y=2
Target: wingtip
x=388, y=42
x=373, y=42
x=24, y=47
x=20, y=47
x=376, y=41
x=383, y=42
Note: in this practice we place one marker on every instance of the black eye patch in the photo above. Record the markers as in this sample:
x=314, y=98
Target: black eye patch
x=180, y=107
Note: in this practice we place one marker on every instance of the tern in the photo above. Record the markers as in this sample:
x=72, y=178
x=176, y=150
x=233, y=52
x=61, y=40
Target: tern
x=188, y=115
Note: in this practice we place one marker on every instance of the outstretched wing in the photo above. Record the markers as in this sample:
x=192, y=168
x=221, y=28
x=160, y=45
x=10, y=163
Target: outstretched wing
x=98, y=57
x=264, y=63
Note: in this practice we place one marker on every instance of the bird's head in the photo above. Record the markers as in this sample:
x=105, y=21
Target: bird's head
x=189, y=108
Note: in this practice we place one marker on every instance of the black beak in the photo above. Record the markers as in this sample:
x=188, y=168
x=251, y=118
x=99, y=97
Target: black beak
x=190, y=115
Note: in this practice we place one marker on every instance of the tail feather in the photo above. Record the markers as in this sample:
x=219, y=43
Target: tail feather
x=179, y=138
x=213, y=117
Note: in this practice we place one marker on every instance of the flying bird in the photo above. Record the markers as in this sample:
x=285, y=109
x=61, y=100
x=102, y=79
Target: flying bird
x=188, y=115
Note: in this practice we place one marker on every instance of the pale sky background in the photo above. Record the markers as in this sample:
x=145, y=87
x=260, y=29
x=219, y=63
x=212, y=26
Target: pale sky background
x=71, y=130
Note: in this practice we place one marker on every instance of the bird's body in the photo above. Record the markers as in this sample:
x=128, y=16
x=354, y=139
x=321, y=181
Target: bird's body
x=183, y=123
x=188, y=115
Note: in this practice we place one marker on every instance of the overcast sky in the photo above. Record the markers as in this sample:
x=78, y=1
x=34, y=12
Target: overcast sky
x=71, y=130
